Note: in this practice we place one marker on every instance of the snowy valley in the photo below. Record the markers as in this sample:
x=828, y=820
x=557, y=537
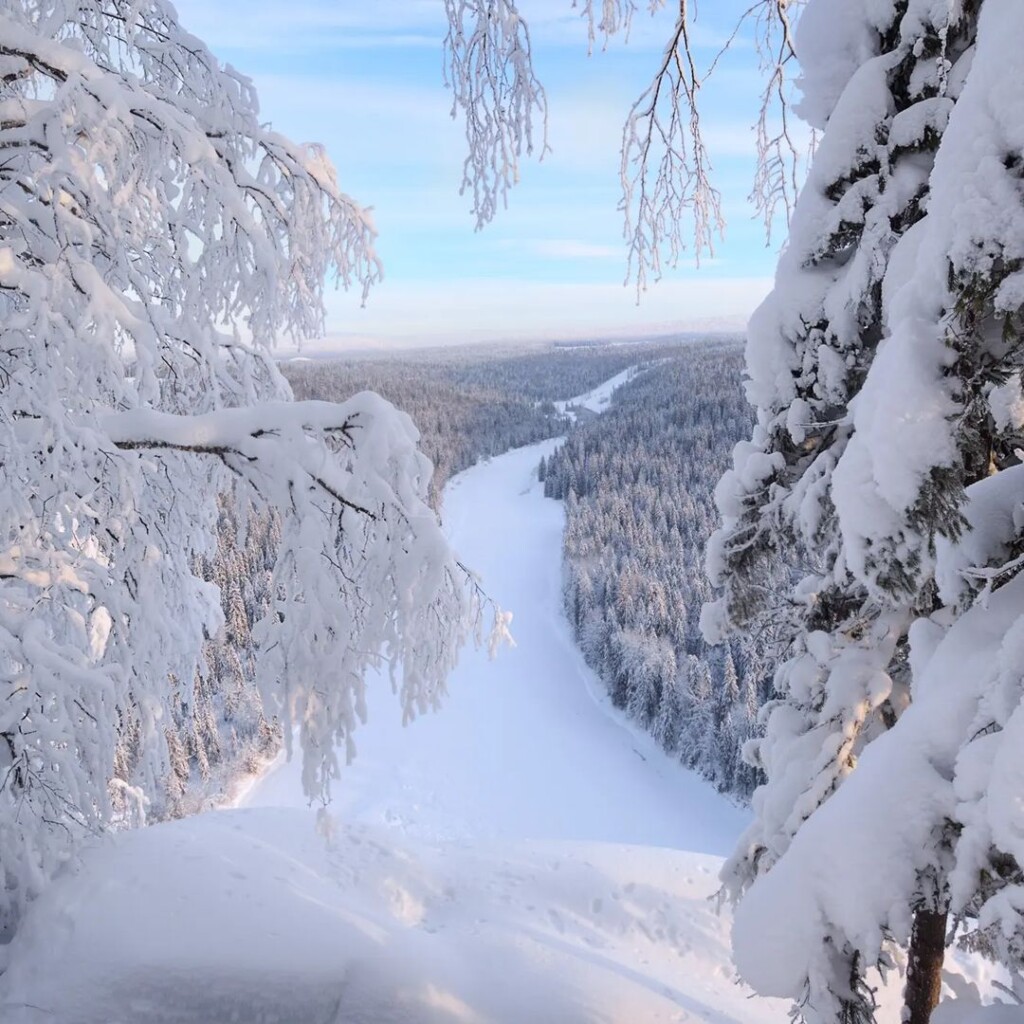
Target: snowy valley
x=526, y=854
x=399, y=685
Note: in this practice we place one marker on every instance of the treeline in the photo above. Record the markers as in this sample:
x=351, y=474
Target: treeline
x=638, y=486
x=475, y=402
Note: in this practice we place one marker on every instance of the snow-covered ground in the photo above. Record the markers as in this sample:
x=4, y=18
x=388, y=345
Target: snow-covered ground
x=517, y=857
x=252, y=916
x=599, y=398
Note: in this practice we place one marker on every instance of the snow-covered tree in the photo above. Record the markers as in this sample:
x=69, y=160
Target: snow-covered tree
x=665, y=727
x=698, y=742
x=885, y=454
x=155, y=239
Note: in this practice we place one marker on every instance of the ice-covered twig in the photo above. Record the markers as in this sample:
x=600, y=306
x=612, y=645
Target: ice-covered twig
x=665, y=170
x=488, y=66
x=777, y=178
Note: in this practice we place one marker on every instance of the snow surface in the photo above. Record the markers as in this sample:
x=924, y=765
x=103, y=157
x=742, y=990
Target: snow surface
x=517, y=857
x=527, y=746
x=600, y=397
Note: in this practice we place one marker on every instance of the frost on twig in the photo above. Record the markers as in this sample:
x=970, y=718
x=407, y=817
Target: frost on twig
x=606, y=18
x=669, y=201
x=665, y=171
x=610, y=17
x=488, y=66
x=776, y=181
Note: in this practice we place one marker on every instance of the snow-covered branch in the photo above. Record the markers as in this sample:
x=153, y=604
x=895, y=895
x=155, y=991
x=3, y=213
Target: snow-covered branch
x=155, y=240
x=665, y=170
x=669, y=200
x=288, y=434
x=489, y=68
x=779, y=155
x=608, y=18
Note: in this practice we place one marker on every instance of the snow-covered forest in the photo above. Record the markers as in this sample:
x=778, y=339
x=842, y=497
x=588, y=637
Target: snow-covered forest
x=205, y=560
x=471, y=402
x=638, y=485
x=468, y=405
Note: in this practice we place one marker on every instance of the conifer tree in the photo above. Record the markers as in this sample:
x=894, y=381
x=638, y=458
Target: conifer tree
x=880, y=83
x=667, y=722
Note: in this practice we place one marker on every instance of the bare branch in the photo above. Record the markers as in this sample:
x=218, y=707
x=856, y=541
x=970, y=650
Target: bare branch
x=668, y=200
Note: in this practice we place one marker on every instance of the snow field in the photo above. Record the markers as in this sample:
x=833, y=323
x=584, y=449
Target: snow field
x=259, y=916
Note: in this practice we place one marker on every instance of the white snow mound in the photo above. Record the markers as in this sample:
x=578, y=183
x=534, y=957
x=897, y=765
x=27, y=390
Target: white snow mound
x=278, y=916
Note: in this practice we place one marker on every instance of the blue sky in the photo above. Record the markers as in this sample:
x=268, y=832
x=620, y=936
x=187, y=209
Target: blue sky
x=363, y=77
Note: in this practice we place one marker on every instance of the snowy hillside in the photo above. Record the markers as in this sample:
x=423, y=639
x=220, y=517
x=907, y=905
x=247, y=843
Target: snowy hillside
x=250, y=915
x=515, y=857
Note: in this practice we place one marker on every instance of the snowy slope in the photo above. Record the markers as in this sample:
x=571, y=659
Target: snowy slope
x=599, y=398
x=515, y=858
x=251, y=916
x=525, y=748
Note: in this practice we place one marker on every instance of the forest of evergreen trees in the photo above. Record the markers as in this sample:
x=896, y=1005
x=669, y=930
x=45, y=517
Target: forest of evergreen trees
x=638, y=485
x=468, y=404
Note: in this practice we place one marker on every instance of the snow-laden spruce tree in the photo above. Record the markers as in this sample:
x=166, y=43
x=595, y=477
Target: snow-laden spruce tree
x=879, y=80
x=878, y=88
x=915, y=509
x=879, y=496
x=155, y=239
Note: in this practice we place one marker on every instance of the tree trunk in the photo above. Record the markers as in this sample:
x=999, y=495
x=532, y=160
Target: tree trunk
x=924, y=969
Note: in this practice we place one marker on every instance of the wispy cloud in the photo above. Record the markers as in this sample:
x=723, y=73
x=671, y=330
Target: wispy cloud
x=561, y=248
x=573, y=249
x=324, y=71
x=271, y=27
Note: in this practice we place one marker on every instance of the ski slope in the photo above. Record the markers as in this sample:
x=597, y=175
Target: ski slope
x=523, y=856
